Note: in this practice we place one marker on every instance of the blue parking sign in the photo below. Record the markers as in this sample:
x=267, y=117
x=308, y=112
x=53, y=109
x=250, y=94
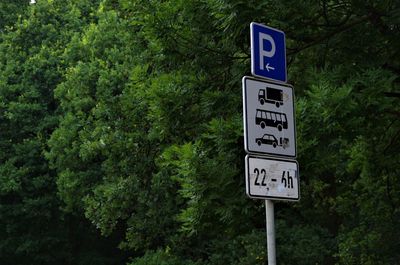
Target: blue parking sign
x=268, y=52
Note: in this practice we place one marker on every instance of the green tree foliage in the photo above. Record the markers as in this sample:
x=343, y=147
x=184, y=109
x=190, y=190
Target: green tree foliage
x=128, y=114
x=353, y=193
x=33, y=230
x=10, y=11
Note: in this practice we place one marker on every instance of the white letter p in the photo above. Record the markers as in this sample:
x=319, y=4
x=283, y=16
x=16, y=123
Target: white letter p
x=271, y=53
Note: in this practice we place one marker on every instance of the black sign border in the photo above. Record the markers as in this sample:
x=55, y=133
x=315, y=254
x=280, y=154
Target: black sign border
x=247, y=180
x=246, y=144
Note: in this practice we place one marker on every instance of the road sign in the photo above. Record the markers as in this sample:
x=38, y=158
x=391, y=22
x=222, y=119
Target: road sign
x=268, y=118
x=272, y=178
x=268, y=52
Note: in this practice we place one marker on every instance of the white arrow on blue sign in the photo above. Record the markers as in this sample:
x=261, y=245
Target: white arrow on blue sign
x=268, y=52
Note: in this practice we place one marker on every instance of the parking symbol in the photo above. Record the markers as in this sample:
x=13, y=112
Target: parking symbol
x=268, y=52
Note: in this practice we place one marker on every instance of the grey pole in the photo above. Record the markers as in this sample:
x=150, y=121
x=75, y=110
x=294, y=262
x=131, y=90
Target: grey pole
x=269, y=212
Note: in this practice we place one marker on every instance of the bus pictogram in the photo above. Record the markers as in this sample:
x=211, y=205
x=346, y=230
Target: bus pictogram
x=271, y=119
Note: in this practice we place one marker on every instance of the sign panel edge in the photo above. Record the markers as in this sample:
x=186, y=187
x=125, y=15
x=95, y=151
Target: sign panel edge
x=245, y=122
x=247, y=180
x=252, y=52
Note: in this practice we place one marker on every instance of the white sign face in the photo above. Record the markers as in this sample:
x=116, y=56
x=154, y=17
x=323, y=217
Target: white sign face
x=268, y=117
x=272, y=179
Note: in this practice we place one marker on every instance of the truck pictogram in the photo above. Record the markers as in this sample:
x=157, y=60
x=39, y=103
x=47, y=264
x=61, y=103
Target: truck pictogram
x=271, y=95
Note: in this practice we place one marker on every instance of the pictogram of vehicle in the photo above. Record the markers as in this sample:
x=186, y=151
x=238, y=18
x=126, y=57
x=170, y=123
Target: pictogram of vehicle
x=270, y=139
x=270, y=95
x=272, y=119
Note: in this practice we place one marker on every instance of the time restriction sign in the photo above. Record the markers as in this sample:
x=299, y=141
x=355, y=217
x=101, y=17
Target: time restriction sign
x=272, y=178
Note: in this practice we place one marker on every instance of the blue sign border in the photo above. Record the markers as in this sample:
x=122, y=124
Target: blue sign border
x=278, y=66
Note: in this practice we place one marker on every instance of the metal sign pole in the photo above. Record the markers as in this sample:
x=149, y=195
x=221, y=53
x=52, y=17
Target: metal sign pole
x=269, y=127
x=270, y=219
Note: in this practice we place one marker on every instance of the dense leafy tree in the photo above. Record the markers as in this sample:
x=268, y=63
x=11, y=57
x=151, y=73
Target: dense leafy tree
x=10, y=11
x=128, y=114
x=32, y=227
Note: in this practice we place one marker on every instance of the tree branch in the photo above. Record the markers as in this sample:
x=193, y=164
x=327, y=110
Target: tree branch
x=330, y=34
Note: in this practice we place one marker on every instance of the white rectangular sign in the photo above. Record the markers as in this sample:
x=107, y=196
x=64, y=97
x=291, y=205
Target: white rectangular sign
x=268, y=117
x=272, y=179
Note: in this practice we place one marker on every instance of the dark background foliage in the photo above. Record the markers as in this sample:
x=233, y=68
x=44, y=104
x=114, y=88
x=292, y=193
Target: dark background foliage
x=122, y=143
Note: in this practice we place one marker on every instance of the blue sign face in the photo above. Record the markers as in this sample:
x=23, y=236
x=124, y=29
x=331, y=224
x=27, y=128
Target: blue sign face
x=268, y=52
